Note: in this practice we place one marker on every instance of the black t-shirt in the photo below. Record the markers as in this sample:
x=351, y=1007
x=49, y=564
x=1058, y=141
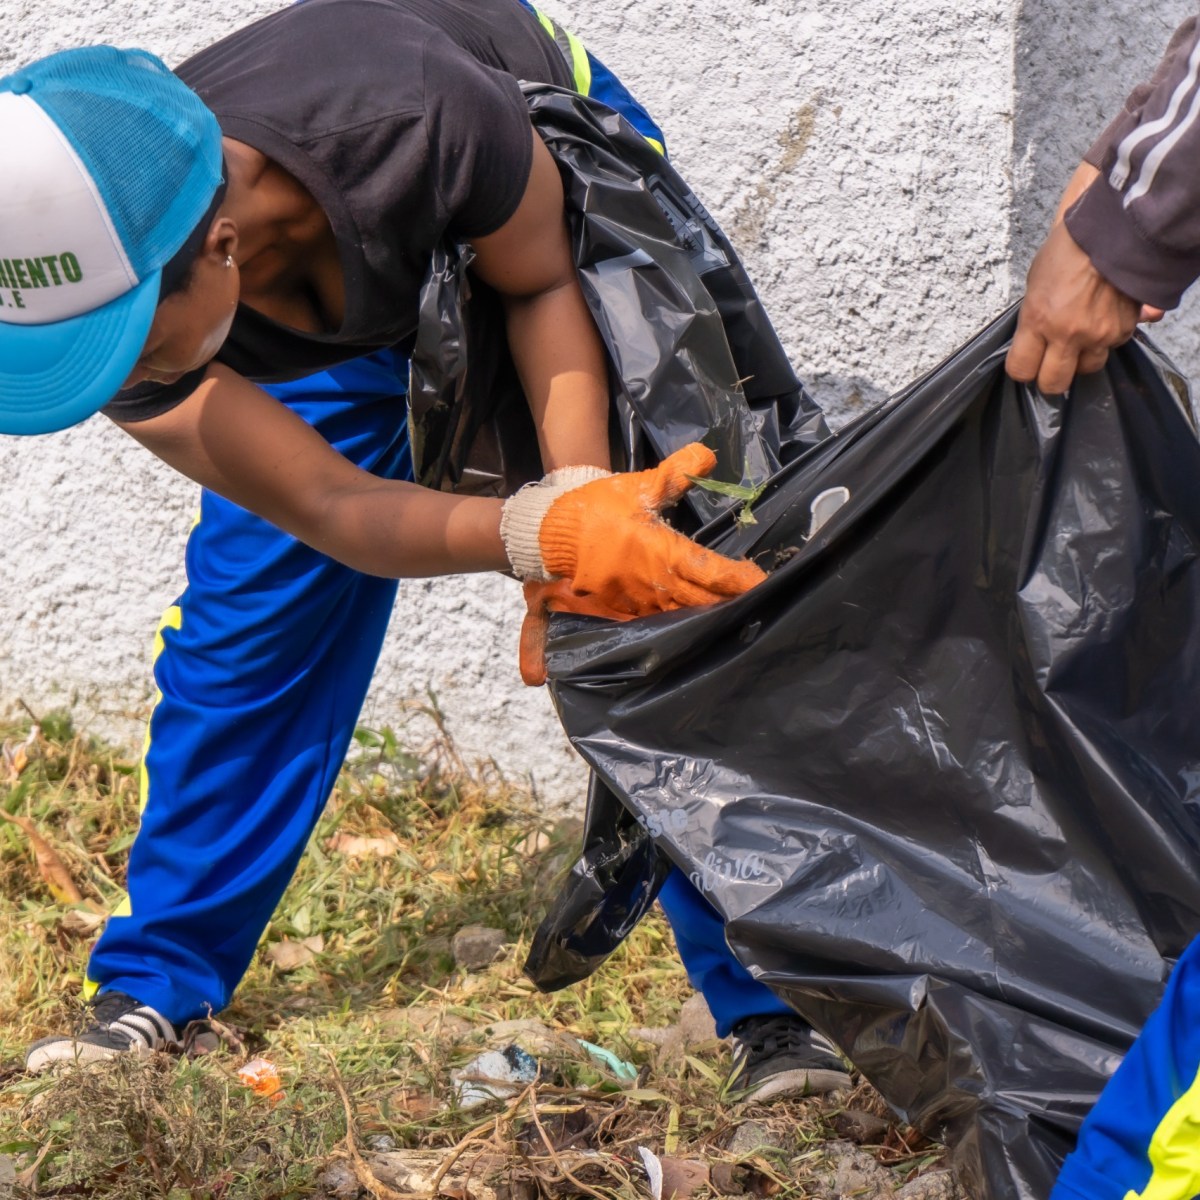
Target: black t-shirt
x=404, y=120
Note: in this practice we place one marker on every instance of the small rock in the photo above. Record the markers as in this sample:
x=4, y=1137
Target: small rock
x=538, y=1039
x=338, y=1179
x=696, y=1022
x=381, y=1142
x=425, y=1019
x=750, y=1137
x=290, y=956
x=849, y=1171
x=695, y=1027
x=933, y=1185
x=356, y=846
x=864, y=1128
x=8, y=1174
x=251, y=1157
x=476, y=947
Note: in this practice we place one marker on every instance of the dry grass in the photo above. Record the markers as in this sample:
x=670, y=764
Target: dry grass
x=373, y=1025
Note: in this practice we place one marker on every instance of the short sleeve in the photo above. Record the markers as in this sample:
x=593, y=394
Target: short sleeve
x=480, y=139
x=147, y=400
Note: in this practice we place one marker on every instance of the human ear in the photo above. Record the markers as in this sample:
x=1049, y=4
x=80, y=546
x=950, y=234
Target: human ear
x=221, y=242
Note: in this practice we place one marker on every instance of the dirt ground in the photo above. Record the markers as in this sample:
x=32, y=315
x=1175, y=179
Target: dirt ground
x=385, y=1041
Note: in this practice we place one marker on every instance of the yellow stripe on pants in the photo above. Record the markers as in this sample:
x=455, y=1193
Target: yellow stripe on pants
x=171, y=619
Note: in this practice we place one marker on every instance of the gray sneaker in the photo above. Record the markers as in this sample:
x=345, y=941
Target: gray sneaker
x=120, y=1025
x=781, y=1056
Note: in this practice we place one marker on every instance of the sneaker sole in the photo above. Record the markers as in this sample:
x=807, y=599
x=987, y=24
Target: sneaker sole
x=55, y=1051
x=799, y=1082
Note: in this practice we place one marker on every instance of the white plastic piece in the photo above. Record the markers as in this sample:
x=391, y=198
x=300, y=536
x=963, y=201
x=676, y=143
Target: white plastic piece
x=824, y=506
x=654, y=1171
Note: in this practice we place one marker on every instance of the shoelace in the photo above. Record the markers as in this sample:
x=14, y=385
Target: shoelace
x=783, y=1033
x=112, y=1006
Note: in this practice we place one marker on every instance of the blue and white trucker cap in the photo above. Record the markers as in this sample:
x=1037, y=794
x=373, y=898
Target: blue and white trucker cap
x=111, y=161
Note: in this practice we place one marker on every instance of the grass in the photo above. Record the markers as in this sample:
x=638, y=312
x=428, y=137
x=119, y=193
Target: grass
x=372, y=1024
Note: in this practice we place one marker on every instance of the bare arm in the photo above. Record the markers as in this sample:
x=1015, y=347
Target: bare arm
x=553, y=339
x=234, y=439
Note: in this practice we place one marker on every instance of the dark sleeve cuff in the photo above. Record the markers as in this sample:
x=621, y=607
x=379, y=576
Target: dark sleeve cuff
x=1142, y=269
x=147, y=400
x=1113, y=131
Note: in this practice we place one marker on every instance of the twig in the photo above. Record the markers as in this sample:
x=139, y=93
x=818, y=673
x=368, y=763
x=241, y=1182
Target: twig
x=474, y=1136
x=554, y=1155
x=229, y=1035
x=362, y=1171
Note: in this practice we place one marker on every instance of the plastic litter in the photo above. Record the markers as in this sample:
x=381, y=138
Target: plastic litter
x=940, y=773
x=654, y=1171
x=618, y=1066
x=261, y=1076
x=494, y=1075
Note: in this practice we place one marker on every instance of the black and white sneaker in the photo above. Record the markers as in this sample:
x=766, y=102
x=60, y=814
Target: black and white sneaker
x=120, y=1025
x=780, y=1056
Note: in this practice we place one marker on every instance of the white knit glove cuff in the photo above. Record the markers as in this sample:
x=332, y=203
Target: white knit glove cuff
x=521, y=517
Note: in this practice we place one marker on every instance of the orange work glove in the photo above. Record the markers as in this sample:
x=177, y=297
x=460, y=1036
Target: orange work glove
x=541, y=599
x=602, y=536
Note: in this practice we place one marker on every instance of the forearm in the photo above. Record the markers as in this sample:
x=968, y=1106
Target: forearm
x=234, y=439
x=1139, y=222
x=564, y=373
x=554, y=342
x=401, y=530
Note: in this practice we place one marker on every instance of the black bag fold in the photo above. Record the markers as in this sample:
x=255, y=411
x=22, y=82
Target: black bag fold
x=941, y=770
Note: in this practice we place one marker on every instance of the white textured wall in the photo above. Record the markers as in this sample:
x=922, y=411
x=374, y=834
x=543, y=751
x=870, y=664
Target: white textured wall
x=886, y=167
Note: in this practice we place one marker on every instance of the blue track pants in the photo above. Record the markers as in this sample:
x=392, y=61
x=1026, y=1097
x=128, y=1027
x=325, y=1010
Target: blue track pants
x=264, y=663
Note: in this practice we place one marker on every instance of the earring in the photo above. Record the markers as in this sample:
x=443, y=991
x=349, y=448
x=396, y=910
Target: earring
x=228, y=260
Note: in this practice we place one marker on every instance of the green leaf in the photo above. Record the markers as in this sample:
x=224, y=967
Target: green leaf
x=738, y=491
x=704, y=1070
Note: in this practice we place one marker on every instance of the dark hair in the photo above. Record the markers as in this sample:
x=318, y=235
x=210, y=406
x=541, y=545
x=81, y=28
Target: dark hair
x=177, y=272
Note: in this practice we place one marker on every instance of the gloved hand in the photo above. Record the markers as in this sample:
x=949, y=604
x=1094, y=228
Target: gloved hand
x=541, y=599
x=601, y=535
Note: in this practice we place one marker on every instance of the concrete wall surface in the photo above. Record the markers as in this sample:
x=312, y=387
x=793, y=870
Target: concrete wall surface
x=887, y=168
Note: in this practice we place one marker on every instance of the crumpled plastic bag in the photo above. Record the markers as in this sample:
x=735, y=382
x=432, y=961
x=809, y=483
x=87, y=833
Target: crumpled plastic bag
x=940, y=773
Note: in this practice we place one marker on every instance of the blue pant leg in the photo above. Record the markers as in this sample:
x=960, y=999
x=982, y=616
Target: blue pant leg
x=731, y=992
x=263, y=667
x=1141, y=1141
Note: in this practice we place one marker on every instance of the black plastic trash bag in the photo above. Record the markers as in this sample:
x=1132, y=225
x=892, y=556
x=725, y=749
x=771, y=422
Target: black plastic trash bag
x=612, y=884
x=940, y=773
x=693, y=355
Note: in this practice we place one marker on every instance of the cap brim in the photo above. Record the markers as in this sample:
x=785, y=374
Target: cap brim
x=54, y=376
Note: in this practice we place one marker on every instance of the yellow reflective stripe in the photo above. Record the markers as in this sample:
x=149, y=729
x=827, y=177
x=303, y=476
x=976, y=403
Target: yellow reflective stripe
x=580, y=64
x=171, y=619
x=1174, y=1151
x=572, y=50
x=656, y=144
